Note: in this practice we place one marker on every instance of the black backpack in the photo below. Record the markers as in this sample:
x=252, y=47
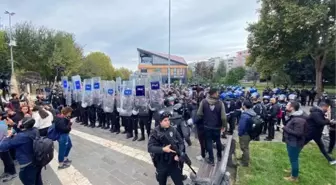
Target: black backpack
x=43, y=149
x=255, y=128
x=260, y=110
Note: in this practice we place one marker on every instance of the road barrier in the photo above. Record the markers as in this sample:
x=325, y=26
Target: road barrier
x=218, y=174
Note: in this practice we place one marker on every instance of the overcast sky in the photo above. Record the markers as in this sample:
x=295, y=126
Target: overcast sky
x=200, y=29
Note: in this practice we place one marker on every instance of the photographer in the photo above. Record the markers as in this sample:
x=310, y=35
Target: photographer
x=9, y=167
x=23, y=144
x=165, y=160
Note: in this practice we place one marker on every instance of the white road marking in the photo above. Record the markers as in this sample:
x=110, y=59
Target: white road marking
x=126, y=150
x=68, y=176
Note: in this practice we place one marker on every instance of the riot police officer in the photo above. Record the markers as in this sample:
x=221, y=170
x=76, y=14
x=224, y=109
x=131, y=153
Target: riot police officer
x=164, y=154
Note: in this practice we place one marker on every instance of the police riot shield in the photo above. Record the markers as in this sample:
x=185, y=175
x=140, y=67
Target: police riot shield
x=141, y=98
x=118, y=92
x=127, y=98
x=156, y=95
x=68, y=94
x=87, y=93
x=77, y=88
x=102, y=91
x=96, y=90
x=65, y=84
x=109, y=95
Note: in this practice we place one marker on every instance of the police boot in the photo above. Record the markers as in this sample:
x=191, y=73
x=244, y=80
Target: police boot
x=135, y=137
x=142, y=138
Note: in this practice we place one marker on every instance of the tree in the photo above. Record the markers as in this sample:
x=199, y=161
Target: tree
x=281, y=78
x=204, y=71
x=97, y=64
x=252, y=75
x=124, y=73
x=291, y=30
x=234, y=76
x=4, y=53
x=221, y=71
x=42, y=50
x=189, y=75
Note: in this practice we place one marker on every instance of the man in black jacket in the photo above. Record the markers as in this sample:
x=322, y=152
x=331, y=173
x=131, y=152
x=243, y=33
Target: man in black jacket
x=212, y=111
x=316, y=123
x=272, y=119
x=164, y=158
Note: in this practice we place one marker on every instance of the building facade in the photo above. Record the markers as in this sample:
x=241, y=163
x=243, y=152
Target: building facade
x=152, y=62
x=241, y=57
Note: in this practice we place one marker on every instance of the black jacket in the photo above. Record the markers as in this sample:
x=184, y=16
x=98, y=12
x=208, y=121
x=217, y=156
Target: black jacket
x=295, y=129
x=316, y=121
x=62, y=125
x=274, y=110
x=157, y=142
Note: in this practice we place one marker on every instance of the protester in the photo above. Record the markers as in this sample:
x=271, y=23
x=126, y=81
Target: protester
x=316, y=123
x=165, y=159
x=23, y=144
x=9, y=167
x=212, y=111
x=14, y=102
x=25, y=110
x=243, y=129
x=294, y=136
x=43, y=120
x=63, y=126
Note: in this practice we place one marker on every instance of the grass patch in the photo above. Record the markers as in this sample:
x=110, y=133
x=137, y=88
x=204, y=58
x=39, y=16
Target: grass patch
x=269, y=159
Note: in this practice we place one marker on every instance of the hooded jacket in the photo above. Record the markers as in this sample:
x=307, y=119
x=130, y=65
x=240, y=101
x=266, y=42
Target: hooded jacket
x=23, y=144
x=296, y=129
x=212, y=102
x=244, y=121
x=316, y=122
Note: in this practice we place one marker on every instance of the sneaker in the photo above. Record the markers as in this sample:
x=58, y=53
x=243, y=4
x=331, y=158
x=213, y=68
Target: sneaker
x=291, y=179
x=68, y=161
x=184, y=177
x=8, y=177
x=3, y=175
x=63, y=166
x=200, y=158
x=209, y=161
x=332, y=162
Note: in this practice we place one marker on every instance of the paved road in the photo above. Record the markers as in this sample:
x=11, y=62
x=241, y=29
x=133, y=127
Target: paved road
x=102, y=158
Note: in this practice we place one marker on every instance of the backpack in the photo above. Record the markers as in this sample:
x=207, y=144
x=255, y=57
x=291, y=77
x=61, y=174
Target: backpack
x=43, y=149
x=255, y=128
x=260, y=110
x=53, y=134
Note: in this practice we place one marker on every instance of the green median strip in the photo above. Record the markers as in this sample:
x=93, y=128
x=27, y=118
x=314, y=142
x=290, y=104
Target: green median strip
x=270, y=159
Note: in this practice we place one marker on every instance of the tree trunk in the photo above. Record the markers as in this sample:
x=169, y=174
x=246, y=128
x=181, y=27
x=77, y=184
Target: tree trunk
x=319, y=65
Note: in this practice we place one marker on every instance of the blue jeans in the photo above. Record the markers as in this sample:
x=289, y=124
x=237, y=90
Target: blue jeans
x=293, y=154
x=64, y=143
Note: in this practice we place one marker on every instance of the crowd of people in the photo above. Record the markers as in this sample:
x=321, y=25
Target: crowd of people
x=212, y=113
x=23, y=121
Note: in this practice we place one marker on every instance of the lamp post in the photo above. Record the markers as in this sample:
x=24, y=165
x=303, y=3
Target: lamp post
x=11, y=42
x=169, y=43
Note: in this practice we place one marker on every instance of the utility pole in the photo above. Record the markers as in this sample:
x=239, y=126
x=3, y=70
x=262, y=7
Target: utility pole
x=11, y=41
x=169, y=44
x=1, y=26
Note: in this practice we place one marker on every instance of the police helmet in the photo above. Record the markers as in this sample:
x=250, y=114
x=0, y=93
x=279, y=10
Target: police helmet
x=292, y=97
x=164, y=114
x=282, y=97
x=255, y=95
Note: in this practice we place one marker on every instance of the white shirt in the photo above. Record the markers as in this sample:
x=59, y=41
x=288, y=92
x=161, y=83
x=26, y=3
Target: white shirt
x=42, y=123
